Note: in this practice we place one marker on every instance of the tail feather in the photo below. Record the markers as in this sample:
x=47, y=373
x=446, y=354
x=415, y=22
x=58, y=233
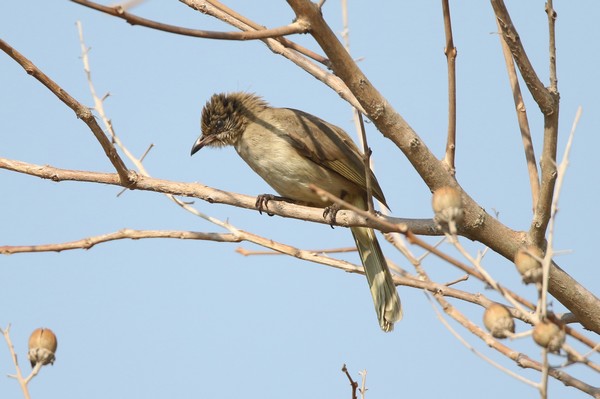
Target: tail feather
x=383, y=290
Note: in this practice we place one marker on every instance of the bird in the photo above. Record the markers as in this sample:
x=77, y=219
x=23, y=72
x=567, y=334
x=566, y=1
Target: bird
x=292, y=150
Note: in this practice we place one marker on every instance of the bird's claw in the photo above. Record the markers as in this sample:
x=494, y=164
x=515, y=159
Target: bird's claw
x=262, y=203
x=330, y=213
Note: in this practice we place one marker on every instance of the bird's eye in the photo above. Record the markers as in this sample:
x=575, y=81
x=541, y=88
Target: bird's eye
x=219, y=124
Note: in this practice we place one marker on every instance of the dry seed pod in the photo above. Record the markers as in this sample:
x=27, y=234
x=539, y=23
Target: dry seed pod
x=498, y=321
x=42, y=346
x=447, y=204
x=529, y=267
x=549, y=335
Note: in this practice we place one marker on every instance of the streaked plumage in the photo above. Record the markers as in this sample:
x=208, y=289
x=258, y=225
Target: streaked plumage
x=291, y=149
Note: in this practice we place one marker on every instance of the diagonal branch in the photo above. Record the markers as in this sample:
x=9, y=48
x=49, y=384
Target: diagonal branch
x=534, y=178
x=119, y=11
x=478, y=224
x=276, y=46
x=127, y=177
x=545, y=100
x=247, y=21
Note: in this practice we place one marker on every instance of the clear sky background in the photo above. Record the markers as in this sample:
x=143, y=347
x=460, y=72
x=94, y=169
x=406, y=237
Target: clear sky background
x=171, y=318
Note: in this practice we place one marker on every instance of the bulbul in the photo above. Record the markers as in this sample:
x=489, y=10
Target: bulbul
x=290, y=150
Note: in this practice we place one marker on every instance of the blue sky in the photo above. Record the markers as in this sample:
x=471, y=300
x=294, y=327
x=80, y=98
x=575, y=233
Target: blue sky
x=170, y=318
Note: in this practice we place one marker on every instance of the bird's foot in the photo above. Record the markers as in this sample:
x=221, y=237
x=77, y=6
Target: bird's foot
x=263, y=200
x=330, y=213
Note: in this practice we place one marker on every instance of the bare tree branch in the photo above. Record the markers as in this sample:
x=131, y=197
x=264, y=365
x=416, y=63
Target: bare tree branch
x=477, y=225
x=126, y=176
x=344, y=218
x=119, y=11
x=545, y=100
x=548, y=101
x=287, y=43
x=89, y=242
x=534, y=178
x=552, y=45
x=23, y=381
x=350, y=83
x=451, y=54
x=277, y=47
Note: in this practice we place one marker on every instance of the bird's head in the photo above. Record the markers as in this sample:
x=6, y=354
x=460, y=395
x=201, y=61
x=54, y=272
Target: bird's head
x=224, y=118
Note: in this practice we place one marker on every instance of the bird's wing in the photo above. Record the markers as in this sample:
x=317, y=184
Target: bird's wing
x=326, y=145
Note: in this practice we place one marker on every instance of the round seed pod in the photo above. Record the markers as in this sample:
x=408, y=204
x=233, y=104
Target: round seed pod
x=447, y=204
x=42, y=347
x=529, y=267
x=498, y=321
x=549, y=335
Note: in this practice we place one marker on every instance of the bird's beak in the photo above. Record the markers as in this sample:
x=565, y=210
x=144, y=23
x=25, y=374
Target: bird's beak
x=201, y=142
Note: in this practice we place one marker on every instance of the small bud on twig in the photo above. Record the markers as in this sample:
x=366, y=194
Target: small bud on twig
x=42, y=346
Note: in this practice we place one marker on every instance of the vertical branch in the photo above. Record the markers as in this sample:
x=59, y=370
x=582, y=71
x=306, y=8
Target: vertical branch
x=345, y=31
x=534, y=178
x=543, y=208
x=366, y=161
x=358, y=118
x=548, y=101
x=451, y=54
x=543, y=387
x=552, y=44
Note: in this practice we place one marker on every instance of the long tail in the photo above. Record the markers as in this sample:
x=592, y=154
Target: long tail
x=383, y=290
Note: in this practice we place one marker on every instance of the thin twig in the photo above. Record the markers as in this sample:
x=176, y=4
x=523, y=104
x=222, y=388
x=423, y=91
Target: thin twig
x=128, y=178
x=475, y=351
x=547, y=262
x=562, y=170
x=363, y=384
x=358, y=118
x=543, y=385
x=413, y=239
x=118, y=11
x=548, y=101
x=246, y=252
x=19, y=375
x=552, y=44
x=287, y=43
x=277, y=46
x=353, y=383
x=366, y=161
x=545, y=100
x=89, y=242
x=521, y=359
x=451, y=53
x=534, y=178
x=487, y=278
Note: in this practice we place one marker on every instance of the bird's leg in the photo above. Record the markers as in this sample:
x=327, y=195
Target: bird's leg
x=263, y=199
x=330, y=212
